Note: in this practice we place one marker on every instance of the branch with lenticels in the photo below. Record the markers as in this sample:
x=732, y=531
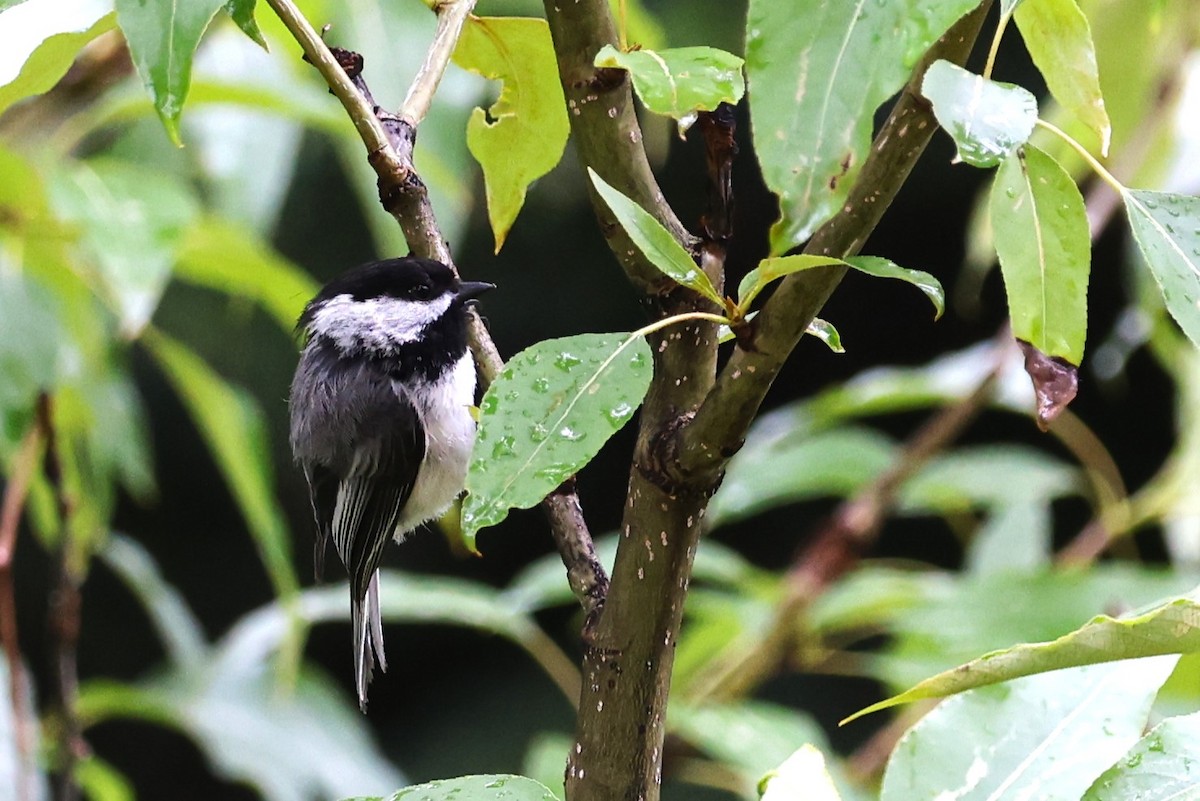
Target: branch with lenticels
x=389, y=140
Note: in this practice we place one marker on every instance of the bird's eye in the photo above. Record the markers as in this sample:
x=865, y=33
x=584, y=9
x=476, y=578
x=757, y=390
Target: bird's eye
x=422, y=292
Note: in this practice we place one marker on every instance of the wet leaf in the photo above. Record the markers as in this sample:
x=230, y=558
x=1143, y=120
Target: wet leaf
x=825, y=332
x=817, y=71
x=242, y=14
x=1162, y=766
x=522, y=135
x=1167, y=229
x=546, y=415
x=773, y=269
x=1059, y=41
x=162, y=39
x=1042, y=239
x=43, y=37
x=679, y=81
x=987, y=119
x=883, y=268
x=1045, y=736
x=770, y=270
x=1054, y=383
x=1172, y=627
x=655, y=242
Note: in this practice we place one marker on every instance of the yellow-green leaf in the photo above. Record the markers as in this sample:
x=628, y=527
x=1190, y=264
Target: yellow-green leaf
x=52, y=40
x=1059, y=41
x=1172, y=627
x=522, y=135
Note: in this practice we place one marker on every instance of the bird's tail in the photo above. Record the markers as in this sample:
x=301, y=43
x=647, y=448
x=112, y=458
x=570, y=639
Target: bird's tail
x=368, y=638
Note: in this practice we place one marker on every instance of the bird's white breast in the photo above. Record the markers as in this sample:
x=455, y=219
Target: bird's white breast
x=444, y=408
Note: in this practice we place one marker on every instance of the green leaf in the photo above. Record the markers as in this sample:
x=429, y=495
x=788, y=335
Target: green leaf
x=546, y=415
x=1044, y=246
x=679, y=81
x=773, y=269
x=522, y=136
x=883, y=268
x=802, y=775
x=769, y=270
x=824, y=331
x=1167, y=230
x=233, y=427
x=655, y=242
x=1172, y=627
x=29, y=364
x=100, y=781
x=488, y=787
x=242, y=14
x=50, y=37
x=989, y=477
x=817, y=71
x=228, y=258
x=1059, y=41
x=793, y=469
x=163, y=37
x=987, y=119
x=1046, y=736
x=1162, y=766
x=132, y=220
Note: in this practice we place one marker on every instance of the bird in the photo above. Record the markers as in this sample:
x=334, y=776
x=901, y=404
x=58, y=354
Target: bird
x=380, y=419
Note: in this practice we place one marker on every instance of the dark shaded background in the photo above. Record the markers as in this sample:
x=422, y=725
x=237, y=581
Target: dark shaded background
x=457, y=702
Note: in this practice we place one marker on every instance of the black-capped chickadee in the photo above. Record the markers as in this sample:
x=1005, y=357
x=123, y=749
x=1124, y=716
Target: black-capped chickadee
x=381, y=420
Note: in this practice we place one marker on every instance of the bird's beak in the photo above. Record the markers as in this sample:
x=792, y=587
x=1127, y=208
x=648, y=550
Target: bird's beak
x=469, y=290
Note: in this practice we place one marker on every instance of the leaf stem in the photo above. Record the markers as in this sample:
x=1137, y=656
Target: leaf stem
x=1096, y=166
x=995, y=47
x=452, y=15
x=658, y=325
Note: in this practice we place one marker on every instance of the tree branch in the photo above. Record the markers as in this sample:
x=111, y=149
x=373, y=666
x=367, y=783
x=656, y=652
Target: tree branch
x=704, y=446
x=389, y=141
x=15, y=491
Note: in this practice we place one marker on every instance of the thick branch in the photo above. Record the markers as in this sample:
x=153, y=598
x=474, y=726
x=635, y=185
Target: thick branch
x=721, y=422
x=605, y=129
x=389, y=141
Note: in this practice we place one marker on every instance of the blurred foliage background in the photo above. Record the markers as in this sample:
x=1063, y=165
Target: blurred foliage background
x=149, y=291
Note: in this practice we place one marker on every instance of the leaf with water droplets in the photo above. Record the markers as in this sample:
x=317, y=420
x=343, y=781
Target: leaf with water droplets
x=681, y=80
x=1167, y=229
x=655, y=242
x=1163, y=766
x=988, y=120
x=817, y=71
x=545, y=417
x=1042, y=239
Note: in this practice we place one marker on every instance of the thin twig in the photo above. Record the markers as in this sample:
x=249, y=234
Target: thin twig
x=15, y=491
x=388, y=140
x=452, y=15
x=66, y=608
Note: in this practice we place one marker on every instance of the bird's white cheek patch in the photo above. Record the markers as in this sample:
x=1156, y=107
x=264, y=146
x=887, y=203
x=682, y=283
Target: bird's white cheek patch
x=381, y=323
